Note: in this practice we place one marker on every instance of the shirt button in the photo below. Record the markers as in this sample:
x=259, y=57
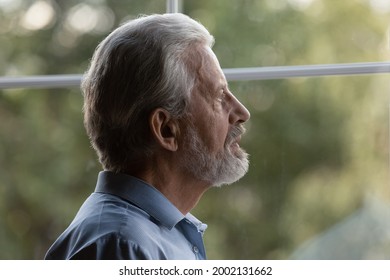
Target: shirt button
x=196, y=250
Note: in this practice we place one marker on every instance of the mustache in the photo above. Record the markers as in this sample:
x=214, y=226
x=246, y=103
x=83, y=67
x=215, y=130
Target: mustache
x=234, y=133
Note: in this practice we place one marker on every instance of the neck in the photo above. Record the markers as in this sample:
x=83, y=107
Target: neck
x=179, y=188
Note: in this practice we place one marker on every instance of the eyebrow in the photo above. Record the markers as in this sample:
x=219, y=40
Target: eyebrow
x=222, y=85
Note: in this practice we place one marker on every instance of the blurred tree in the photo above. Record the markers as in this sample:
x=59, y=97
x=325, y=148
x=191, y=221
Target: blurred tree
x=317, y=145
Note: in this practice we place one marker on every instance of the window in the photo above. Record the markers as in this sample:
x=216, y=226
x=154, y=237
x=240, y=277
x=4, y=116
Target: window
x=314, y=75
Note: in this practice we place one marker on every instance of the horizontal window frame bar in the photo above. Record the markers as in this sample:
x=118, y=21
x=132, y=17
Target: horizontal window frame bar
x=302, y=71
x=232, y=74
x=44, y=81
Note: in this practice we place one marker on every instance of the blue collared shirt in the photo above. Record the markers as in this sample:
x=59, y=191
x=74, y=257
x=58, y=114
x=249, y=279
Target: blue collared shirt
x=125, y=218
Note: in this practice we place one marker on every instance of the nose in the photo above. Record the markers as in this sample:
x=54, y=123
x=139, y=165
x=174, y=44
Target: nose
x=239, y=113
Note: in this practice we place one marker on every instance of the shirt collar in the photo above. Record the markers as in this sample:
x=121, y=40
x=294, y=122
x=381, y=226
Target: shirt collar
x=201, y=227
x=142, y=195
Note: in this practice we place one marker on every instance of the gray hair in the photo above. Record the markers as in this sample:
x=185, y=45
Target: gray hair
x=142, y=65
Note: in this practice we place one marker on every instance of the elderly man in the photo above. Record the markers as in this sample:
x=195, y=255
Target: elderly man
x=159, y=113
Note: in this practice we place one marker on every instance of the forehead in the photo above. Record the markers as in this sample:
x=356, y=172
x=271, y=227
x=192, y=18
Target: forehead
x=209, y=74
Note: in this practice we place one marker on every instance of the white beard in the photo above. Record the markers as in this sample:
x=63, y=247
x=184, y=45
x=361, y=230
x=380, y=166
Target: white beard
x=223, y=168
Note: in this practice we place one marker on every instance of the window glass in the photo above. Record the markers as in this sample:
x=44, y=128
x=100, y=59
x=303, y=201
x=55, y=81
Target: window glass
x=58, y=37
x=318, y=183
x=295, y=32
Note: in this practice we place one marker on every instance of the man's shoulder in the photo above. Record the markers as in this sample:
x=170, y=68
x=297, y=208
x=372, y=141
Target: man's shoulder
x=108, y=213
x=107, y=227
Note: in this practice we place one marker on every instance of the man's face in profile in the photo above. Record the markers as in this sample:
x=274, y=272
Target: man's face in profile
x=211, y=148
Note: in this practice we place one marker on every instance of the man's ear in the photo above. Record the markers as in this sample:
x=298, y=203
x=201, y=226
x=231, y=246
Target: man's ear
x=164, y=129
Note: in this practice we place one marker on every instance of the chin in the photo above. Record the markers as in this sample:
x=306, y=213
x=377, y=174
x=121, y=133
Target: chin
x=233, y=169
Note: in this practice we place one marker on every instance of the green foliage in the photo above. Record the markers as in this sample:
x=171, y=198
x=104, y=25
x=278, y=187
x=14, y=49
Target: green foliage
x=318, y=146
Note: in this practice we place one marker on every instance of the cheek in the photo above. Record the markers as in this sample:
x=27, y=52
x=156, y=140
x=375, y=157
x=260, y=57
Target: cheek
x=218, y=134
x=211, y=124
